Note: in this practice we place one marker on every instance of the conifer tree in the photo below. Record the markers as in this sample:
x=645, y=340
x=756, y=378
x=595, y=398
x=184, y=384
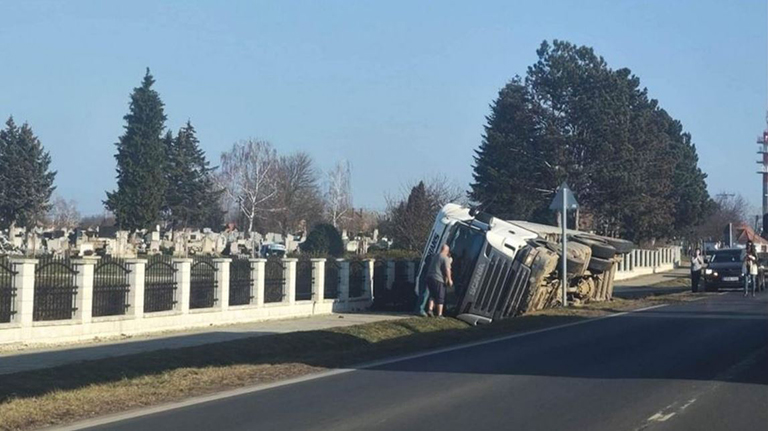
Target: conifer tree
x=192, y=199
x=141, y=186
x=26, y=181
x=573, y=118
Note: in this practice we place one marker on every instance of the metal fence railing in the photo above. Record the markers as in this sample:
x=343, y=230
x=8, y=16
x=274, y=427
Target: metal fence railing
x=274, y=281
x=55, y=289
x=110, y=287
x=202, y=283
x=159, y=284
x=356, y=278
x=332, y=278
x=240, y=282
x=7, y=290
x=304, y=279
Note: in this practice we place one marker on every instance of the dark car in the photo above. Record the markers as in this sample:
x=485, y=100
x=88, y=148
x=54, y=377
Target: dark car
x=725, y=270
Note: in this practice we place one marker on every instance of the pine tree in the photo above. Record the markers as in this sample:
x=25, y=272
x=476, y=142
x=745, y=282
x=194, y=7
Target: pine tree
x=140, y=194
x=573, y=118
x=26, y=182
x=412, y=219
x=192, y=199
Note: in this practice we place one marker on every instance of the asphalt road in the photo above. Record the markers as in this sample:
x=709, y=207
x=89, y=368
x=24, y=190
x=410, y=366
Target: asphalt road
x=696, y=366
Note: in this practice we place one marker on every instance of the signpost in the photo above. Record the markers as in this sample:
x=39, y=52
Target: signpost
x=563, y=201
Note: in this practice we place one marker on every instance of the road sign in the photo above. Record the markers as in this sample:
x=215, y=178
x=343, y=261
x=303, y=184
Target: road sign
x=569, y=202
x=564, y=200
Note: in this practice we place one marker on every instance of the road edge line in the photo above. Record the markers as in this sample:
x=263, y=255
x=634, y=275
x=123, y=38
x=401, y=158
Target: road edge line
x=146, y=411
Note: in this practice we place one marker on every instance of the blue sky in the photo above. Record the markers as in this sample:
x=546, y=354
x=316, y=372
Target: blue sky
x=399, y=88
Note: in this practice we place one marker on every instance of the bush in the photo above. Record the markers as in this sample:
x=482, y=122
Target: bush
x=323, y=239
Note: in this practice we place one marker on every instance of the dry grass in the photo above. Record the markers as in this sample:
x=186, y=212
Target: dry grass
x=67, y=393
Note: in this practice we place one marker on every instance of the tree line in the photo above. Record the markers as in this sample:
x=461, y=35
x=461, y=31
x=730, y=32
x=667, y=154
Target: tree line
x=572, y=118
x=166, y=179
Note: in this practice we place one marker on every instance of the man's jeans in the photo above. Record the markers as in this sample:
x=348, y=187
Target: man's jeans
x=422, y=297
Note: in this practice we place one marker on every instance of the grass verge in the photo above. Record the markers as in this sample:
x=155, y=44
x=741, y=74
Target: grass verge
x=38, y=398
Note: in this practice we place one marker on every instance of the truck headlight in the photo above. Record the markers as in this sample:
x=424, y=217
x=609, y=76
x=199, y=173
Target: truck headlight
x=708, y=271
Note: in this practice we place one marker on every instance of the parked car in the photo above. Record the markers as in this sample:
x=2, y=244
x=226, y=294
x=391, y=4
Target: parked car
x=725, y=269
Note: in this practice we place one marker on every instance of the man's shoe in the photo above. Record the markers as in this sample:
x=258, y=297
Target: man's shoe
x=440, y=317
x=422, y=314
x=429, y=313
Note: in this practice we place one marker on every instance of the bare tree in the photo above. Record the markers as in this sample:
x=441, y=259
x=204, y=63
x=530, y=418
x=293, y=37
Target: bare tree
x=339, y=195
x=63, y=213
x=247, y=174
x=299, y=201
x=727, y=209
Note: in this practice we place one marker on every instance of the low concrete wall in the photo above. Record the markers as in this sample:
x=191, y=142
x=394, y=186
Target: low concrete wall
x=84, y=326
x=643, y=262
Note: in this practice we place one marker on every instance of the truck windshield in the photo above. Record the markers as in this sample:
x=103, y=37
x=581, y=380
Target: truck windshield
x=466, y=244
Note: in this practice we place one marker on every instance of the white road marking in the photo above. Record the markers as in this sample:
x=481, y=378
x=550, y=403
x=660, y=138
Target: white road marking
x=660, y=417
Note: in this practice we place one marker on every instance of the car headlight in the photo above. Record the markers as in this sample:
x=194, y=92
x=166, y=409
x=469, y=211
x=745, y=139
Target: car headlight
x=707, y=271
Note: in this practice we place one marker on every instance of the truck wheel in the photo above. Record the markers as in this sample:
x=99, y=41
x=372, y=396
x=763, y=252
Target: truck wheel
x=574, y=264
x=622, y=246
x=600, y=248
x=598, y=265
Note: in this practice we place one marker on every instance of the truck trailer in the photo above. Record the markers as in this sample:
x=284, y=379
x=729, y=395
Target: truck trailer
x=504, y=268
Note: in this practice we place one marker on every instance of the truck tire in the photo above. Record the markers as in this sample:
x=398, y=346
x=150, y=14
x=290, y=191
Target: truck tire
x=622, y=246
x=598, y=265
x=574, y=264
x=600, y=248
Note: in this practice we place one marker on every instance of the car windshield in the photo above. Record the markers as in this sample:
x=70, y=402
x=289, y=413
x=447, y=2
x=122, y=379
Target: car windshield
x=725, y=256
x=466, y=244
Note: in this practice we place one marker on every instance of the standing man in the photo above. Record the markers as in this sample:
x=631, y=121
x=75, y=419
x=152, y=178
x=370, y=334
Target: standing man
x=438, y=276
x=697, y=264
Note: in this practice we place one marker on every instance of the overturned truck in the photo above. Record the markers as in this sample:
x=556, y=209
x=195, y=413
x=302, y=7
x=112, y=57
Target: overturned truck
x=506, y=268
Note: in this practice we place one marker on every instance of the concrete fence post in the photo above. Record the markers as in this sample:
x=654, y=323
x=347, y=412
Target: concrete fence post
x=222, y=282
x=368, y=274
x=183, y=269
x=344, y=282
x=289, y=275
x=84, y=283
x=137, y=268
x=390, y=274
x=318, y=279
x=258, y=266
x=24, y=281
